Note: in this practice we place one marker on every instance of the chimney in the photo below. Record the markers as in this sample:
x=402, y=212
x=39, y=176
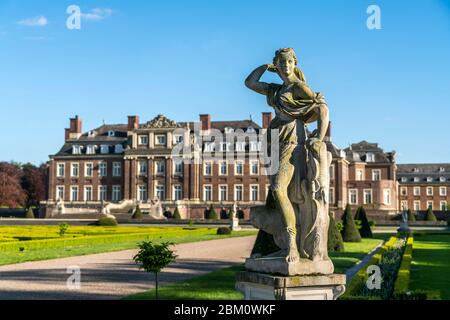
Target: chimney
x=328, y=133
x=66, y=134
x=133, y=122
x=205, y=119
x=266, y=119
x=74, y=132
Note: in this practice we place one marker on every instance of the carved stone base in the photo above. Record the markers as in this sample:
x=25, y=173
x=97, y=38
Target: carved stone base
x=278, y=265
x=258, y=286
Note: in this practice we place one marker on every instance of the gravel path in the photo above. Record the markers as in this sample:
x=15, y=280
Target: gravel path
x=114, y=275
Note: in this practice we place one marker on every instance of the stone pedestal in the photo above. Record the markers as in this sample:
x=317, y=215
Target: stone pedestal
x=235, y=224
x=259, y=286
x=278, y=265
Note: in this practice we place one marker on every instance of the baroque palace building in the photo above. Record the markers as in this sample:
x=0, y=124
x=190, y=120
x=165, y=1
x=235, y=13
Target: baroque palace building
x=134, y=163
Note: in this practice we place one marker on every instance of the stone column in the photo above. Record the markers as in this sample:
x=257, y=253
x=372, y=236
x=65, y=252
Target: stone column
x=186, y=189
x=126, y=179
x=168, y=182
x=133, y=187
x=150, y=180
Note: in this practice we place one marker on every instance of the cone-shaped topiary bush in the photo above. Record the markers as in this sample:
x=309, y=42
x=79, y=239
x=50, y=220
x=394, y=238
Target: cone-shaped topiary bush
x=349, y=232
x=335, y=242
x=176, y=214
x=29, y=214
x=411, y=216
x=137, y=214
x=430, y=215
x=365, y=230
x=212, y=213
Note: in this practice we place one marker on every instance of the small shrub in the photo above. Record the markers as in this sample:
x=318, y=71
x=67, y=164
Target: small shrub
x=137, y=214
x=63, y=229
x=176, y=214
x=224, y=230
x=349, y=233
x=411, y=216
x=212, y=215
x=29, y=214
x=107, y=222
x=430, y=215
x=335, y=242
x=364, y=230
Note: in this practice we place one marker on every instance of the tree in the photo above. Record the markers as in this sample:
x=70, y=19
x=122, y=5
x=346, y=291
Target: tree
x=137, y=214
x=11, y=192
x=430, y=215
x=176, y=214
x=349, y=232
x=365, y=230
x=411, y=216
x=153, y=258
x=335, y=242
x=212, y=214
x=29, y=214
x=33, y=182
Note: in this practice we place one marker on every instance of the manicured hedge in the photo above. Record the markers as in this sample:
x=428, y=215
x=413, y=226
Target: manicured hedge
x=404, y=272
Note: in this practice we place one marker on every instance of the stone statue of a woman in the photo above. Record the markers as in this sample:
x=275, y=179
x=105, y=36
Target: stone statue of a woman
x=299, y=222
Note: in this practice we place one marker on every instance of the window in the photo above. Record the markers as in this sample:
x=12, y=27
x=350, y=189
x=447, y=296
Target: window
x=430, y=204
x=87, y=193
x=223, y=168
x=441, y=169
x=118, y=148
x=404, y=179
x=89, y=169
x=104, y=149
x=74, y=193
x=225, y=146
x=223, y=193
x=443, y=191
x=253, y=146
x=142, y=193
x=207, y=193
x=59, y=192
x=332, y=172
x=161, y=192
x=429, y=191
x=416, y=191
x=229, y=130
x=443, y=205
x=77, y=149
x=160, y=139
x=254, y=192
x=416, y=179
x=367, y=196
x=404, y=205
x=359, y=175
x=429, y=179
x=91, y=149
x=102, y=169
x=207, y=168
x=387, y=196
x=331, y=196
x=178, y=167
x=177, y=192
x=143, y=140
x=353, y=196
x=177, y=139
x=160, y=167
x=442, y=179
x=116, y=193
x=60, y=172
x=416, y=170
x=102, y=193
x=111, y=133
x=370, y=157
x=238, y=192
x=403, y=191
x=416, y=205
x=240, y=146
x=74, y=171
x=142, y=167
x=239, y=168
x=117, y=169
x=254, y=167
x=209, y=146
x=376, y=175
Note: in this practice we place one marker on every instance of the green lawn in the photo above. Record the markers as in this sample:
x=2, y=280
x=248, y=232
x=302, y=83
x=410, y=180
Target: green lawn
x=31, y=243
x=219, y=285
x=430, y=269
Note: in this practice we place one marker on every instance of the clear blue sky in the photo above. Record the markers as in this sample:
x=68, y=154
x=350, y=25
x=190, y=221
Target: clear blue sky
x=183, y=58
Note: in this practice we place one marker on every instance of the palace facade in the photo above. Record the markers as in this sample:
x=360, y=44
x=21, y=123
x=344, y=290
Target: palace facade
x=134, y=163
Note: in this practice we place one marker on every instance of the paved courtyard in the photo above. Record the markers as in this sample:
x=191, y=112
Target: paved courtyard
x=114, y=275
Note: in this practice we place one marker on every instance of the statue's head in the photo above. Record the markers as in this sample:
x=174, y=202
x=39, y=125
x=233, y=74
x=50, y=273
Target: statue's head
x=285, y=61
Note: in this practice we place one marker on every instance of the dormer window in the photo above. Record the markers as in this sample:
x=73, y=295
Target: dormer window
x=429, y=179
x=77, y=149
x=91, y=134
x=229, y=130
x=416, y=169
x=209, y=146
x=160, y=139
x=251, y=130
x=441, y=169
x=442, y=179
x=143, y=140
x=111, y=133
x=253, y=146
x=240, y=146
x=404, y=179
x=104, y=149
x=177, y=139
x=416, y=179
x=118, y=148
x=370, y=157
x=91, y=149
